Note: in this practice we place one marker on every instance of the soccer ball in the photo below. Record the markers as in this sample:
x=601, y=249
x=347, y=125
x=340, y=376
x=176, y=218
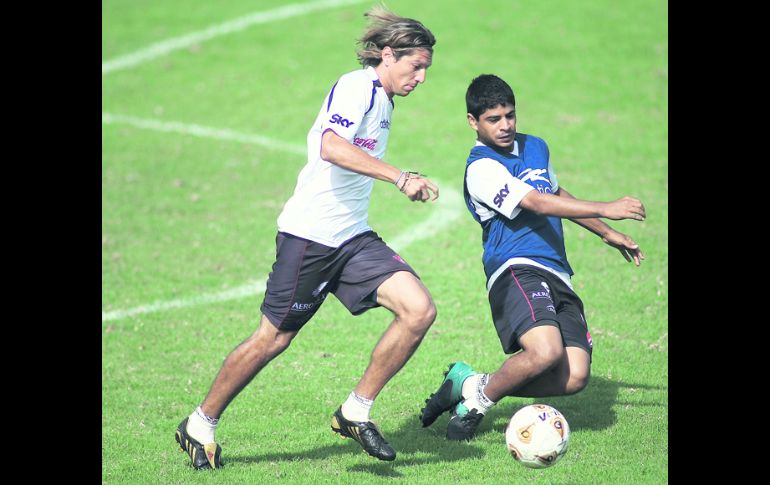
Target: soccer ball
x=537, y=436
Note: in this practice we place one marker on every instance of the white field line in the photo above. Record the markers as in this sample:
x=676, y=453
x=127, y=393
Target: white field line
x=248, y=289
x=203, y=132
x=241, y=23
x=444, y=211
x=447, y=208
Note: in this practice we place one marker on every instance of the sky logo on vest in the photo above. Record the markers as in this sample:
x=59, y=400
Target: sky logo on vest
x=500, y=197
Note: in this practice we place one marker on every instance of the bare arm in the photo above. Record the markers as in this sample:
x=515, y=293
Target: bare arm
x=571, y=208
x=627, y=247
x=342, y=153
x=593, y=224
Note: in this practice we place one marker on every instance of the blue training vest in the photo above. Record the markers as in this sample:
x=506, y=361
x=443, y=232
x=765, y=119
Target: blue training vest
x=528, y=235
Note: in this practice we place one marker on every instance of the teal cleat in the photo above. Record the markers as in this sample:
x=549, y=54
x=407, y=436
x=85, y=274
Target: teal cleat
x=448, y=395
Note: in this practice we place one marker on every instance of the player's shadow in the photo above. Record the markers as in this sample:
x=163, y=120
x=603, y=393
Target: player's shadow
x=413, y=444
x=592, y=408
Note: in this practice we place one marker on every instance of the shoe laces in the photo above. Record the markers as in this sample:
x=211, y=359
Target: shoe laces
x=371, y=428
x=472, y=417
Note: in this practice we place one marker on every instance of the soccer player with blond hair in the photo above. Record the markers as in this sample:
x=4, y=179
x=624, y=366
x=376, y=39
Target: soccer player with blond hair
x=324, y=243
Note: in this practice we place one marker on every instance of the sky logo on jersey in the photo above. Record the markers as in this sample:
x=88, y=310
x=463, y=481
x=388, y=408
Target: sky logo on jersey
x=340, y=120
x=368, y=143
x=500, y=197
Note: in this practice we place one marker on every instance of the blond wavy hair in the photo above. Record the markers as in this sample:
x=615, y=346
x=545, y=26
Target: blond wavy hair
x=386, y=29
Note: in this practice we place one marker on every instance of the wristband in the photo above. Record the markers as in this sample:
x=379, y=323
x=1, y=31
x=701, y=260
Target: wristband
x=408, y=177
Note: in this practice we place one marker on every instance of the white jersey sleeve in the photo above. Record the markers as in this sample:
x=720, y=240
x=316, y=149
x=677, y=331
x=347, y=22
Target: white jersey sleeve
x=347, y=103
x=491, y=184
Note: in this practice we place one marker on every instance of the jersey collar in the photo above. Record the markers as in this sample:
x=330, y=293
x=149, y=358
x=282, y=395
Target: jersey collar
x=514, y=152
x=373, y=76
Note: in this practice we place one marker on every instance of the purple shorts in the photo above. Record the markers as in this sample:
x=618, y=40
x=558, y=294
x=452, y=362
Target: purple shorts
x=305, y=272
x=525, y=296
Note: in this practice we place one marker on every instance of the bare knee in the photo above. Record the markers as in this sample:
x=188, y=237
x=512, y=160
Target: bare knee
x=546, y=354
x=428, y=314
x=268, y=340
x=409, y=300
x=282, y=340
x=577, y=381
x=578, y=367
x=419, y=316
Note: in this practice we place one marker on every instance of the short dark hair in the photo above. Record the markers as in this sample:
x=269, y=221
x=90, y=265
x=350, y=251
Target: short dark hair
x=485, y=92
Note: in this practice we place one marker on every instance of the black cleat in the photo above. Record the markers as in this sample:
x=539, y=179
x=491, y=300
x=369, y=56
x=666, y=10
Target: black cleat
x=449, y=394
x=202, y=456
x=463, y=423
x=366, y=433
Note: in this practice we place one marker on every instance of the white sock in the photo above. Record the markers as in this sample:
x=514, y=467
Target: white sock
x=356, y=408
x=201, y=427
x=470, y=385
x=473, y=392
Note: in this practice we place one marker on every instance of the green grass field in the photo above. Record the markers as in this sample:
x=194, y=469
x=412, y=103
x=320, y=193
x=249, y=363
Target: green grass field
x=201, y=146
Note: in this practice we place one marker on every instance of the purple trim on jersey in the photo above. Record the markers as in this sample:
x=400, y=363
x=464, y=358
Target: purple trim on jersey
x=320, y=145
x=331, y=95
x=532, y=310
x=378, y=84
x=375, y=83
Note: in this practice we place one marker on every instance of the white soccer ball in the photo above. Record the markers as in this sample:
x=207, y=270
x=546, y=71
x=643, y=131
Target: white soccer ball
x=537, y=436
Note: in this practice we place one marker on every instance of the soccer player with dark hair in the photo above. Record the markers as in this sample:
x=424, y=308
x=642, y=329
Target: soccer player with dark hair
x=325, y=245
x=511, y=190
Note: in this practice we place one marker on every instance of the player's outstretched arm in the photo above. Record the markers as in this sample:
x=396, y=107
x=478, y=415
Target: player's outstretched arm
x=339, y=151
x=570, y=207
x=627, y=247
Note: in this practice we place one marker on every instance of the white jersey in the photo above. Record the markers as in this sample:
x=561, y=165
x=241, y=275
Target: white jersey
x=330, y=204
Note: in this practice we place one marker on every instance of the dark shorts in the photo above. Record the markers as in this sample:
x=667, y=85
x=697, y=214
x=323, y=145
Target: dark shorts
x=525, y=296
x=305, y=272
